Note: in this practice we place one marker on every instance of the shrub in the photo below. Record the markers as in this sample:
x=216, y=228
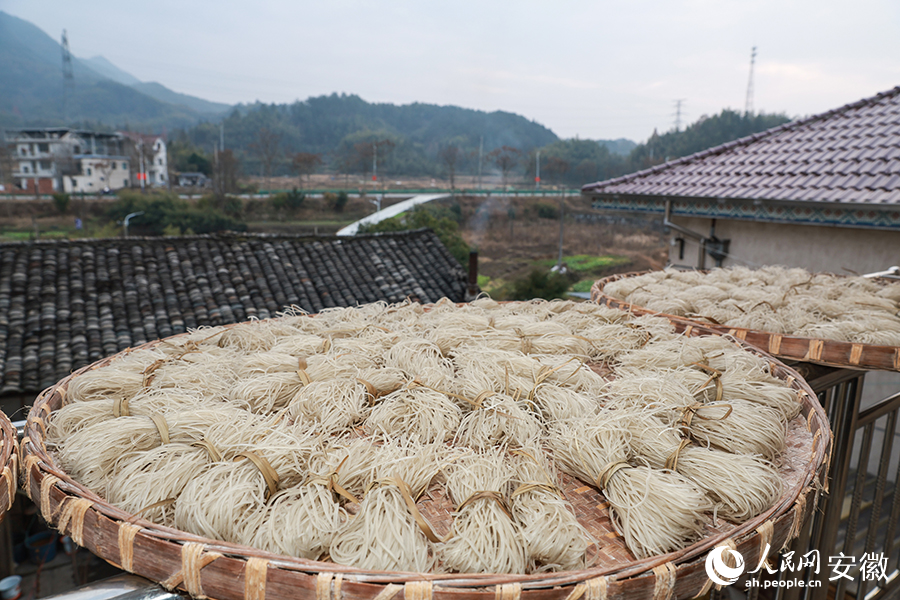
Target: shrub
x=287, y=203
x=340, y=202
x=546, y=211
x=162, y=210
x=61, y=202
x=540, y=284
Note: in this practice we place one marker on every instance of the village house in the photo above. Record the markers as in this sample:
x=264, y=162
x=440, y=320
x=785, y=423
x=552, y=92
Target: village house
x=822, y=193
x=60, y=159
x=154, y=168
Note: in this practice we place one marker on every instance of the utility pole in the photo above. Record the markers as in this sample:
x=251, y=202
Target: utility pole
x=68, y=75
x=748, y=104
x=480, y=157
x=678, y=104
x=562, y=211
x=141, y=175
x=222, y=135
x=537, y=170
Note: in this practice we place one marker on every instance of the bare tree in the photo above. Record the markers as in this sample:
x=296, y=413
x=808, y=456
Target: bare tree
x=555, y=169
x=7, y=163
x=225, y=173
x=506, y=158
x=305, y=163
x=267, y=147
x=450, y=156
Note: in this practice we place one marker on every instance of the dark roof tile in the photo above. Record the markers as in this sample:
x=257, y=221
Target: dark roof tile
x=64, y=304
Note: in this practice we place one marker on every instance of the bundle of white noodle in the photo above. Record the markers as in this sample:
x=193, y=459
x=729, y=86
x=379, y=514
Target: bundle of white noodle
x=91, y=454
x=77, y=415
x=551, y=337
x=209, y=372
x=104, y=384
x=302, y=521
x=498, y=419
x=417, y=413
x=570, y=373
x=481, y=367
x=738, y=426
x=554, y=539
x=227, y=500
x=561, y=404
x=325, y=367
x=255, y=336
x=266, y=393
x=741, y=486
x=151, y=482
x=381, y=382
x=655, y=511
x=334, y=405
x=421, y=359
x=485, y=538
x=388, y=533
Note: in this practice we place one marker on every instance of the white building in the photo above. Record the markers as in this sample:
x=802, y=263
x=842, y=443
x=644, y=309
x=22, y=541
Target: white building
x=155, y=162
x=56, y=159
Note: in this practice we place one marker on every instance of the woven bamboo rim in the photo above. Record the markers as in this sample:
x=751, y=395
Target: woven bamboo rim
x=209, y=568
x=832, y=353
x=9, y=459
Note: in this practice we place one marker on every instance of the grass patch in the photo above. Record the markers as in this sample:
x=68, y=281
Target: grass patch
x=24, y=236
x=582, y=263
x=583, y=286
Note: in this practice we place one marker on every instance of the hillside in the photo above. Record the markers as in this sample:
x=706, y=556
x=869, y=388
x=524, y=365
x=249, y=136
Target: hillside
x=31, y=72
x=338, y=126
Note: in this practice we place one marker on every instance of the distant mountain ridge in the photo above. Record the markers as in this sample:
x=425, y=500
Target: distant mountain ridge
x=102, y=94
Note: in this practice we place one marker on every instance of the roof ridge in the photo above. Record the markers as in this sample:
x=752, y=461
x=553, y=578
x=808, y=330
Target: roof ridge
x=753, y=137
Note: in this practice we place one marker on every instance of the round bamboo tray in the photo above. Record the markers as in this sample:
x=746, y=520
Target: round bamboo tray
x=832, y=353
x=9, y=459
x=209, y=568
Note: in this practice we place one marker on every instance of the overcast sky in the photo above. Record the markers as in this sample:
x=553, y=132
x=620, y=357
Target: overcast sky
x=595, y=69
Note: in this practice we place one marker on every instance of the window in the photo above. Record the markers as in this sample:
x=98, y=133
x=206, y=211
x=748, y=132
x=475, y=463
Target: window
x=159, y=161
x=88, y=171
x=23, y=150
x=25, y=168
x=113, y=165
x=43, y=147
x=45, y=165
x=124, y=166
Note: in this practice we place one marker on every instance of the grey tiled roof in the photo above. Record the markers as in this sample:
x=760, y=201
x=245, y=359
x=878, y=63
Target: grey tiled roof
x=64, y=304
x=847, y=155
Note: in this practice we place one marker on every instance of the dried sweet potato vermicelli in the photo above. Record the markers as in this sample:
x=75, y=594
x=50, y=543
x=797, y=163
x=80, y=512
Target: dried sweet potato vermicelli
x=320, y=436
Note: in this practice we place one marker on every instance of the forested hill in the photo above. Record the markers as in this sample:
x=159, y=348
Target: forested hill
x=336, y=126
x=577, y=162
x=413, y=140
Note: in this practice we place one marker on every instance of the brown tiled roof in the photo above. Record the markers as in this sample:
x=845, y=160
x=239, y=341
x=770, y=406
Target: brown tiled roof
x=64, y=304
x=847, y=155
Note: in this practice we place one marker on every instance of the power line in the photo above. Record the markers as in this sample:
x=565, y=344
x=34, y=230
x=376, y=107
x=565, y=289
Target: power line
x=748, y=105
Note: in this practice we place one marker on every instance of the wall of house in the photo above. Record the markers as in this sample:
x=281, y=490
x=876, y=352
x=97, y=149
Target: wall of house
x=814, y=247
x=97, y=173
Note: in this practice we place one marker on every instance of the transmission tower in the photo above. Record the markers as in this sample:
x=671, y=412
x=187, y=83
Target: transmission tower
x=68, y=75
x=748, y=105
x=678, y=104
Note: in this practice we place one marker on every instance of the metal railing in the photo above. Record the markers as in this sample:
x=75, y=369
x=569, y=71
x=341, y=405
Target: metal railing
x=858, y=517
